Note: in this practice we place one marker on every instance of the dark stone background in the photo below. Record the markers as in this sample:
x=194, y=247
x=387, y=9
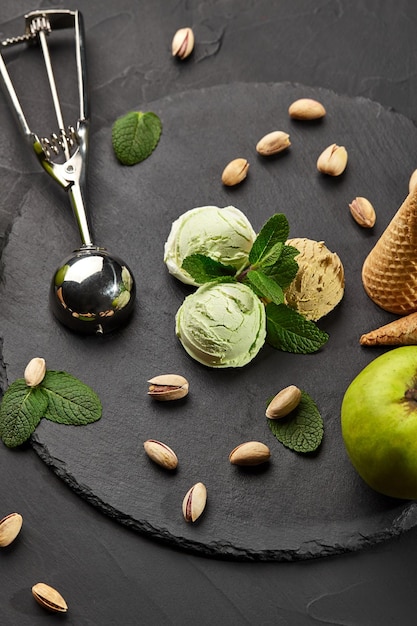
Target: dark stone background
x=108, y=574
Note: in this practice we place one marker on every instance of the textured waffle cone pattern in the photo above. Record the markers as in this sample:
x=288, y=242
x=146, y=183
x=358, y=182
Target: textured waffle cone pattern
x=400, y=332
x=389, y=273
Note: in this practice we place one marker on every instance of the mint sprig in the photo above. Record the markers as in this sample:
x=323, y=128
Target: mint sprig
x=265, y=286
x=60, y=397
x=135, y=136
x=204, y=269
x=301, y=430
x=21, y=410
x=285, y=268
x=69, y=400
x=289, y=331
x=273, y=234
x=271, y=269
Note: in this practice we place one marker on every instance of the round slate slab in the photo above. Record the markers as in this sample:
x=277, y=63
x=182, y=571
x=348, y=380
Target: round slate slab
x=296, y=506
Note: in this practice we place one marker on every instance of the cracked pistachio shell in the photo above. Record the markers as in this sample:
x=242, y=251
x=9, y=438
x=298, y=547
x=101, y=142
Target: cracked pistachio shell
x=9, y=528
x=161, y=454
x=363, y=212
x=194, y=502
x=49, y=598
x=284, y=402
x=183, y=43
x=306, y=109
x=235, y=172
x=273, y=142
x=168, y=387
x=250, y=453
x=333, y=160
x=35, y=372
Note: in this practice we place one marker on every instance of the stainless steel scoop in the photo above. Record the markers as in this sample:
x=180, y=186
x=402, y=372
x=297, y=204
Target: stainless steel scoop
x=91, y=291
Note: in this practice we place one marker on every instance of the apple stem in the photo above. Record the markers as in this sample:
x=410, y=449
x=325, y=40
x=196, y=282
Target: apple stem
x=411, y=394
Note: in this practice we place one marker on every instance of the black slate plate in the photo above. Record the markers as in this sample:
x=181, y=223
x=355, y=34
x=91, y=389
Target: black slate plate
x=298, y=506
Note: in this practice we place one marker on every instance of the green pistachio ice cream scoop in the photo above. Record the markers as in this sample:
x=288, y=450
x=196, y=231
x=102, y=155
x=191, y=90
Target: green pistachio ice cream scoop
x=222, y=324
x=224, y=235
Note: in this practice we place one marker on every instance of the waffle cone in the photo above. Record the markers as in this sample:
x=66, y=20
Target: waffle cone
x=400, y=332
x=389, y=273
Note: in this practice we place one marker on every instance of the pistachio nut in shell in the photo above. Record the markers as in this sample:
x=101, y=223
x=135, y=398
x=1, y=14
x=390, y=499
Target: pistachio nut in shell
x=306, y=109
x=250, y=453
x=194, y=502
x=161, y=454
x=9, y=528
x=182, y=43
x=412, y=182
x=273, y=143
x=235, y=172
x=49, y=598
x=35, y=372
x=284, y=402
x=333, y=160
x=168, y=387
x=363, y=212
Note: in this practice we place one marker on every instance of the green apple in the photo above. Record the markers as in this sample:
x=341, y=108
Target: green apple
x=379, y=423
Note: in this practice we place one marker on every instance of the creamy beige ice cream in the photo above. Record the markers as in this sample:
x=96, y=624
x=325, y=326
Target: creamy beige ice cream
x=224, y=235
x=320, y=281
x=222, y=324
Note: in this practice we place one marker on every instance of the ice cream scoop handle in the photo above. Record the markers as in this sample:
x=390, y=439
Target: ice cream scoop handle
x=80, y=213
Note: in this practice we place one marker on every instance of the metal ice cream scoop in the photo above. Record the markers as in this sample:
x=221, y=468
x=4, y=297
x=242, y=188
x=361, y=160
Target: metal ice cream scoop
x=91, y=291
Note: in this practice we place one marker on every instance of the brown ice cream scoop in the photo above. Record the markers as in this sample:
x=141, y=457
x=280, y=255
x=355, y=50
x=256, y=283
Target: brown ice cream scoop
x=320, y=281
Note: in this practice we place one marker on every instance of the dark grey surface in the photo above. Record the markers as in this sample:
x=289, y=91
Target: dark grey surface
x=108, y=574
x=271, y=513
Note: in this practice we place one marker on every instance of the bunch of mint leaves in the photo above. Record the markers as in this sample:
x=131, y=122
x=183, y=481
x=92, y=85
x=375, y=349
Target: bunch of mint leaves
x=271, y=269
x=60, y=398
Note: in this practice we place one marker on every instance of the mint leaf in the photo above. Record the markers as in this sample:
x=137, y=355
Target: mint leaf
x=285, y=269
x=21, y=410
x=204, y=269
x=289, y=331
x=69, y=400
x=302, y=430
x=275, y=230
x=265, y=286
x=272, y=256
x=135, y=136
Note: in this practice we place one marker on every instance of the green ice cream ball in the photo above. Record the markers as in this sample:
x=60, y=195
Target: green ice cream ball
x=224, y=235
x=222, y=324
